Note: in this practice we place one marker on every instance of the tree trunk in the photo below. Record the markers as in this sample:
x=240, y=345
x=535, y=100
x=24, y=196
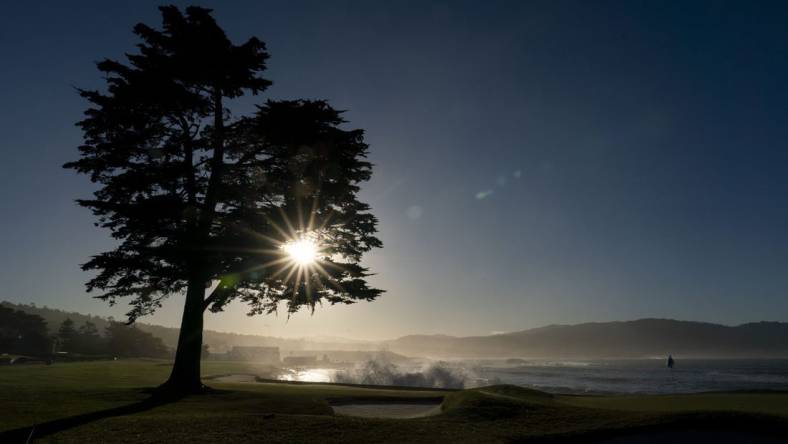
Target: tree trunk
x=185, y=376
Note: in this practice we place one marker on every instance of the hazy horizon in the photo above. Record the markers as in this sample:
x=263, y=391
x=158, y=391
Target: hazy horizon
x=536, y=163
x=371, y=338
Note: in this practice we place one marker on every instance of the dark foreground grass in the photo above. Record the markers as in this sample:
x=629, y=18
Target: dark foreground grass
x=98, y=402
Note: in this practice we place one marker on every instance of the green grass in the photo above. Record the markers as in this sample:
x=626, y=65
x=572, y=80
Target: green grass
x=279, y=412
x=38, y=393
x=768, y=403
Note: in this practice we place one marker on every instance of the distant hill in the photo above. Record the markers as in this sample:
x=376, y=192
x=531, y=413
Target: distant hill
x=593, y=340
x=217, y=341
x=629, y=339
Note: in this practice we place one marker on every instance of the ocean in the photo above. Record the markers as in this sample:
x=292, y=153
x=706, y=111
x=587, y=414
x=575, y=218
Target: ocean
x=635, y=376
x=641, y=376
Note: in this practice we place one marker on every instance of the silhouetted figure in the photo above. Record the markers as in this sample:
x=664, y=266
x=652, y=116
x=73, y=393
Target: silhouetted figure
x=671, y=362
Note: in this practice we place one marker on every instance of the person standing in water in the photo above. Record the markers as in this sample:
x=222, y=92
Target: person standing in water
x=671, y=362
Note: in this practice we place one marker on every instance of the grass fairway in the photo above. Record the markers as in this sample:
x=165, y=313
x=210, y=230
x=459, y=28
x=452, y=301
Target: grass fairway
x=769, y=403
x=105, y=402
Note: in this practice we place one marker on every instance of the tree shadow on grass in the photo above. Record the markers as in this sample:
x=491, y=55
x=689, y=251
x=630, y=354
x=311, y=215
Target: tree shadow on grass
x=28, y=434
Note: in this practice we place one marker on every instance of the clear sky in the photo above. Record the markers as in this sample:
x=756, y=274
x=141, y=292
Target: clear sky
x=536, y=162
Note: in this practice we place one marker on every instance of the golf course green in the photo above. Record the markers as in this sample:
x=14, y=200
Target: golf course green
x=110, y=401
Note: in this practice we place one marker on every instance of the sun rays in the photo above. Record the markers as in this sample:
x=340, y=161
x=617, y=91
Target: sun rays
x=300, y=253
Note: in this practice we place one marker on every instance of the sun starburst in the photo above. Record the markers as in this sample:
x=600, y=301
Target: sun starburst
x=302, y=251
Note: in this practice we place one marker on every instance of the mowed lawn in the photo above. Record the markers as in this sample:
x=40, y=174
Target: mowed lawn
x=281, y=412
x=769, y=403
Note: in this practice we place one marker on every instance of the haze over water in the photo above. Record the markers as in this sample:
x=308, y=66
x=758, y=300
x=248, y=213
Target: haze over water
x=624, y=376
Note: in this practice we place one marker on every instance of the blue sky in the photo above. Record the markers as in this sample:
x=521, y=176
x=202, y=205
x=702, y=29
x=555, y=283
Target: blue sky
x=536, y=162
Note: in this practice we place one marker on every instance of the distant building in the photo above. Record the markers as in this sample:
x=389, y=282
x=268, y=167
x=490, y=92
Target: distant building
x=300, y=361
x=265, y=355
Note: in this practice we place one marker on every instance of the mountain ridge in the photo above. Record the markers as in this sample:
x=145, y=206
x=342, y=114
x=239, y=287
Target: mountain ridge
x=644, y=337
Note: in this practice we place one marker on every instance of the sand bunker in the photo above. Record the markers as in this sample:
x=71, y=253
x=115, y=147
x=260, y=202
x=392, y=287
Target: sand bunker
x=367, y=408
x=392, y=409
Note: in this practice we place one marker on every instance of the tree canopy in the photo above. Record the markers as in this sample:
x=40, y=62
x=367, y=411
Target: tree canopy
x=199, y=197
x=67, y=334
x=23, y=333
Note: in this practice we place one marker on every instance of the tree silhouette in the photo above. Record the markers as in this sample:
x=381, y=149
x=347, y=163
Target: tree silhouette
x=67, y=335
x=88, y=339
x=129, y=341
x=23, y=333
x=201, y=201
